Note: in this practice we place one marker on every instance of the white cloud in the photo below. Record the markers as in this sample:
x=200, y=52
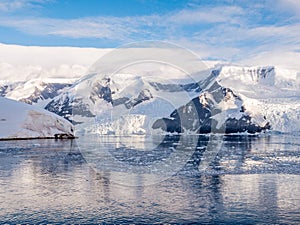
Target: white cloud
x=122, y=28
x=228, y=14
x=14, y=5
x=285, y=59
x=74, y=28
x=290, y=5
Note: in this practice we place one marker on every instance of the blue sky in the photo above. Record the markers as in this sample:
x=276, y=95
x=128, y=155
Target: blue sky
x=222, y=29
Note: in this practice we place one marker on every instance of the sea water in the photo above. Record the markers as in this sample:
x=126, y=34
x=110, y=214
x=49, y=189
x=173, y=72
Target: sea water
x=249, y=179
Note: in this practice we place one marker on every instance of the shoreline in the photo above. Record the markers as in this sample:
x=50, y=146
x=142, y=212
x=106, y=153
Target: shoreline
x=35, y=138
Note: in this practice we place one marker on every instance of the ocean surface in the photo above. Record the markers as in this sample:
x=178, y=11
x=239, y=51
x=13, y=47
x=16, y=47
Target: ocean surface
x=171, y=179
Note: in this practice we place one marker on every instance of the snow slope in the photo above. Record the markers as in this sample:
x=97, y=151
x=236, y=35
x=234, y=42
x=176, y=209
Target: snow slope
x=20, y=120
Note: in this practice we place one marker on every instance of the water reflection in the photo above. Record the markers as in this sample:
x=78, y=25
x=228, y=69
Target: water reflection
x=48, y=181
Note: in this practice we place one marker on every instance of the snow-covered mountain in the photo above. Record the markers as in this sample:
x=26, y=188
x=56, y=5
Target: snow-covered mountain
x=262, y=95
x=231, y=99
x=97, y=99
x=273, y=92
x=267, y=96
x=34, y=91
x=20, y=120
x=217, y=110
x=131, y=104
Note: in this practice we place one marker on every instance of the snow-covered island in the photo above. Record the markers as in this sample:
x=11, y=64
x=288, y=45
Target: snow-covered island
x=22, y=121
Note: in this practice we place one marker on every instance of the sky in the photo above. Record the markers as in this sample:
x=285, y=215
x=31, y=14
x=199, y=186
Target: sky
x=264, y=31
